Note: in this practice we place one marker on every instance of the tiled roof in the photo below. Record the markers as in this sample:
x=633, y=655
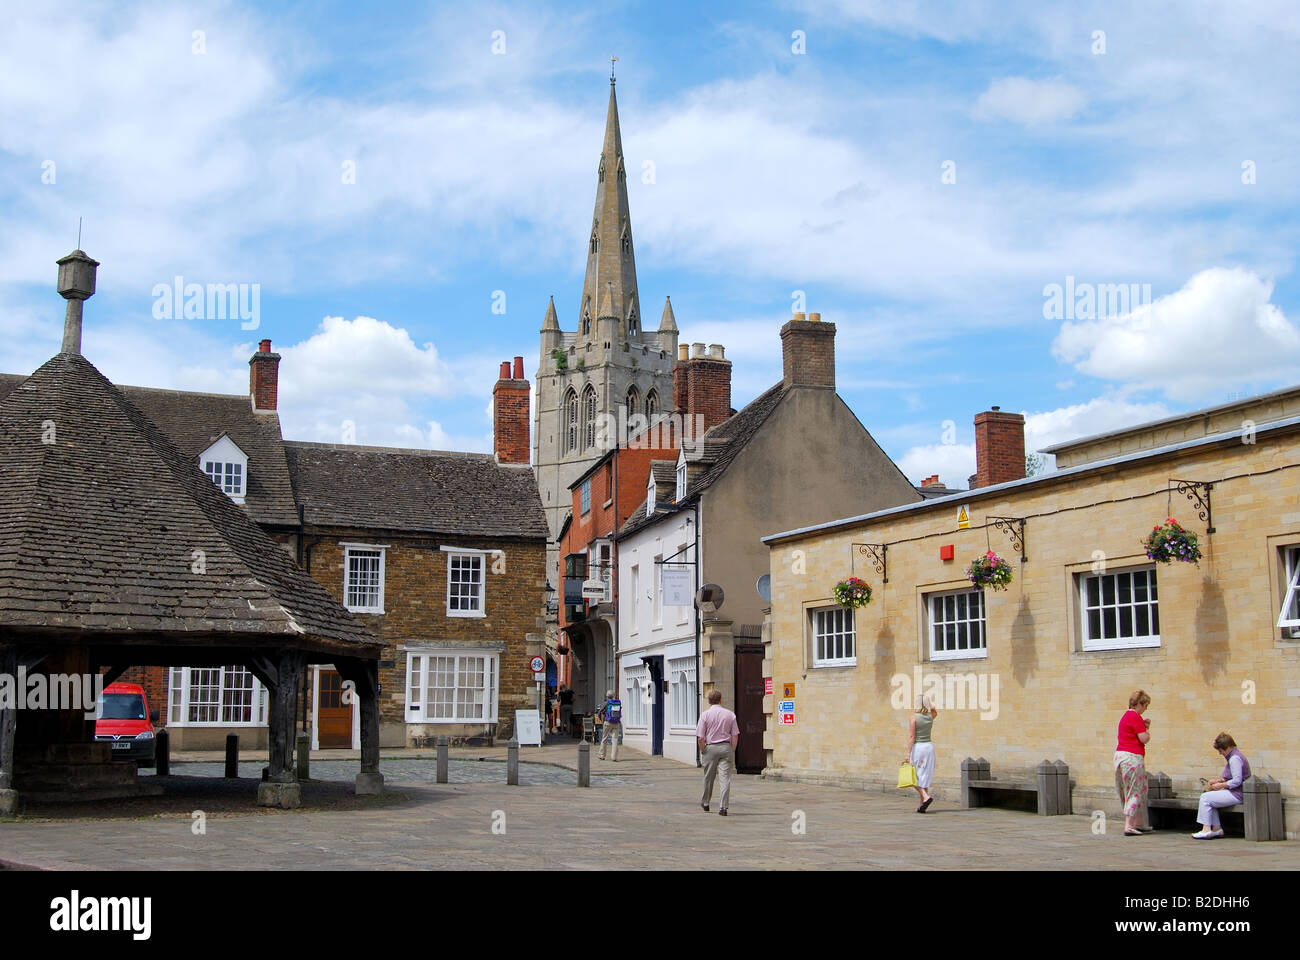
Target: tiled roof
x=722, y=445
x=99, y=528
x=416, y=490
x=194, y=421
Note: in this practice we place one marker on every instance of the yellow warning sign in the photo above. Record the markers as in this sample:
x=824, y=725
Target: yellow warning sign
x=963, y=517
x=787, y=691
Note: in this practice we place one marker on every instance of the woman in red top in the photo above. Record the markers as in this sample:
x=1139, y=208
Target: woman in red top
x=1130, y=762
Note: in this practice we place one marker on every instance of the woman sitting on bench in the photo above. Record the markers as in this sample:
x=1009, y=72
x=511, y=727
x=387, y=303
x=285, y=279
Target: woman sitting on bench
x=1224, y=791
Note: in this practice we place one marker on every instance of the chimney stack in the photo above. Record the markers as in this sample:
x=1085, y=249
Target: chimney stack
x=999, y=447
x=702, y=385
x=931, y=481
x=76, y=285
x=264, y=378
x=808, y=352
x=510, y=401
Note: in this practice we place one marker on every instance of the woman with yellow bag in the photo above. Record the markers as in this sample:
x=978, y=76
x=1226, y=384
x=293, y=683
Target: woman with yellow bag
x=918, y=765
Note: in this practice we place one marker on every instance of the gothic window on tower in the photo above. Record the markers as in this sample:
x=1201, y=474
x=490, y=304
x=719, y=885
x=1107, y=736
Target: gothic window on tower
x=589, y=420
x=586, y=318
x=633, y=401
x=627, y=243
x=631, y=325
x=651, y=404
x=595, y=243
x=571, y=421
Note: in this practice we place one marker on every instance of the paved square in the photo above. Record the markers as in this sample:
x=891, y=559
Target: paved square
x=640, y=814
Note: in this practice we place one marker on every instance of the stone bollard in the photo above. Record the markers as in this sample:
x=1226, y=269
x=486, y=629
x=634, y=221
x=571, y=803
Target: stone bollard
x=512, y=763
x=1261, y=801
x=584, y=764
x=162, y=753
x=1160, y=786
x=1064, y=798
x=232, y=755
x=1046, y=775
x=442, y=758
x=303, y=747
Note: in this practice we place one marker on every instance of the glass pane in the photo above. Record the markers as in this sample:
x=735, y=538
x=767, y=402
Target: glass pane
x=963, y=636
x=1094, y=625
x=1093, y=596
x=1155, y=620
x=1125, y=583
x=1140, y=587
x=1143, y=620
x=1108, y=590
x=1108, y=623
x=1126, y=621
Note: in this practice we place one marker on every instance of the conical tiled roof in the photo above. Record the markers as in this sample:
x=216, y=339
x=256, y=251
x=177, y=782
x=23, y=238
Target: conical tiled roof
x=107, y=528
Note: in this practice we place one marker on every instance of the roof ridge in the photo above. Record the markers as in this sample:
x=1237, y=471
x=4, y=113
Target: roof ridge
x=411, y=451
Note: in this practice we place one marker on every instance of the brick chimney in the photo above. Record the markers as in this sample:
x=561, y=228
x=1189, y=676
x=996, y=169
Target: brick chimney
x=808, y=352
x=264, y=378
x=702, y=385
x=931, y=481
x=999, y=448
x=510, y=427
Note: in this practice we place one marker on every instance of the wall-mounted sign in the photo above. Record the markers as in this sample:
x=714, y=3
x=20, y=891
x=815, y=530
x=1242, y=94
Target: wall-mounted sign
x=572, y=591
x=767, y=686
x=785, y=717
x=593, y=590
x=787, y=691
x=677, y=585
x=963, y=517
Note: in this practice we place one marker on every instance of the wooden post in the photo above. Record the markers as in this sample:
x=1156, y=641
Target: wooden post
x=8, y=728
x=232, y=755
x=163, y=753
x=282, y=675
x=364, y=675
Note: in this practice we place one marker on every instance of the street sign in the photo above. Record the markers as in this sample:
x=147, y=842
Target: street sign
x=528, y=727
x=678, y=586
x=785, y=706
x=537, y=664
x=963, y=517
x=787, y=691
x=785, y=719
x=593, y=590
x=767, y=686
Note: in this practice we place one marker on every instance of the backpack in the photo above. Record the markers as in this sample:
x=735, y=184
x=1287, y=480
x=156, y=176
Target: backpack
x=614, y=711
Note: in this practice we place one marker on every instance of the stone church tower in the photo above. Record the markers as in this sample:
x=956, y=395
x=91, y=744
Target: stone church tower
x=609, y=365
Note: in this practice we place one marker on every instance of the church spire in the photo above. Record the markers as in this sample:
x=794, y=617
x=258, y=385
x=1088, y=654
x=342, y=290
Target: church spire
x=611, y=267
x=668, y=321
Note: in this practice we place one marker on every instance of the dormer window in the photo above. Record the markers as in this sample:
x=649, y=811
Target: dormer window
x=227, y=466
x=681, y=477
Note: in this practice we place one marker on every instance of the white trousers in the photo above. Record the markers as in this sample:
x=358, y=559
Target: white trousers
x=1211, y=801
x=923, y=761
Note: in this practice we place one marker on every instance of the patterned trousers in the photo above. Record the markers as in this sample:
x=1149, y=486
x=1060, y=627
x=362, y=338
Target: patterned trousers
x=1131, y=783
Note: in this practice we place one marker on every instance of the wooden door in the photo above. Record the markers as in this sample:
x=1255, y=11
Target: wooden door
x=333, y=716
x=750, y=755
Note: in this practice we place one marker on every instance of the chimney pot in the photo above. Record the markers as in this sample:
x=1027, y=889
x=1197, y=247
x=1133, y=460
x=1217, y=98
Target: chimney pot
x=716, y=351
x=510, y=422
x=264, y=346
x=799, y=315
x=697, y=350
x=519, y=368
x=264, y=378
x=505, y=370
x=815, y=318
x=683, y=352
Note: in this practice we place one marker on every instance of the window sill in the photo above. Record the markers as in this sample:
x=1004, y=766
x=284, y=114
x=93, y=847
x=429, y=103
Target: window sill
x=451, y=720
x=469, y=615
x=818, y=665
x=369, y=610
x=959, y=655
x=1102, y=647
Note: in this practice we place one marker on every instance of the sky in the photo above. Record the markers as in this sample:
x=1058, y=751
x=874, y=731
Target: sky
x=403, y=185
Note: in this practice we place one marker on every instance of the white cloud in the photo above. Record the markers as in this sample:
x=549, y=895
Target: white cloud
x=953, y=462
x=1029, y=102
x=1219, y=330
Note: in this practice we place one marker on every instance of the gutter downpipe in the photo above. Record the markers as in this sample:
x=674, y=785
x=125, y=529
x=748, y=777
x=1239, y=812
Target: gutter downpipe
x=699, y=671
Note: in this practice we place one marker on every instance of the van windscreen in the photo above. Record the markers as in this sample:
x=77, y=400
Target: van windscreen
x=123, y=706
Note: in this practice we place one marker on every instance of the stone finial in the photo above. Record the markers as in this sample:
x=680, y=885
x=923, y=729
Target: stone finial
x=551, y=322
x=76, y=285
x=668, y=321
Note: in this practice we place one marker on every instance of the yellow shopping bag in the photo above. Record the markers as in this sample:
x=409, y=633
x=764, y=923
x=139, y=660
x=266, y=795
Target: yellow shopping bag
x=906, y=776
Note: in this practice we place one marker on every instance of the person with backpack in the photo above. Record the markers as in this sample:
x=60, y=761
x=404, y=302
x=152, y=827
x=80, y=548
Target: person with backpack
x=611, y=711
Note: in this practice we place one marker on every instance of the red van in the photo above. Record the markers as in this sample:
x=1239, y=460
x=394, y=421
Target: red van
x=122, y=718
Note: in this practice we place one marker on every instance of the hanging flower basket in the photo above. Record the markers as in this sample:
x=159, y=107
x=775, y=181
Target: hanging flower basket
x=989, y=571
x=853, y=593
x=1169, y=542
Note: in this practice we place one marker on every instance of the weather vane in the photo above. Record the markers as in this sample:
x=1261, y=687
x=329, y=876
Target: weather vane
x=612, y=61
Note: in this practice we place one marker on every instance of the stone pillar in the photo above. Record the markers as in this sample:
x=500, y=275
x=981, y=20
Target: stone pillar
x=442, y=758
x=769, y=700
x=584, y=764
x=718, y=661
x=303, y=751
x=8, y=728
x=364, y=675
x=972, y=770
x=512, y=763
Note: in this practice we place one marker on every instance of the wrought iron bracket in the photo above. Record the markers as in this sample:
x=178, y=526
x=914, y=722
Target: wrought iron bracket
x=878, y=552
x=1013, y=527
x=1193, y=490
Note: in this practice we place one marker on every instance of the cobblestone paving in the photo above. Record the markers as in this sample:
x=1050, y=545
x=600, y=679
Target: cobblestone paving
x=646, y=818
x=419, y=771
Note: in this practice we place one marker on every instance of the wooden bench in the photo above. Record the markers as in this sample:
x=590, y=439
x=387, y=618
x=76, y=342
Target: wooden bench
x=1261, y=806
x=1050, y=784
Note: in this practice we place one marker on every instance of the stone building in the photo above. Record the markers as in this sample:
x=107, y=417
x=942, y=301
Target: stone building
x=1043, y=670
x=610, y=371
x=796, y=451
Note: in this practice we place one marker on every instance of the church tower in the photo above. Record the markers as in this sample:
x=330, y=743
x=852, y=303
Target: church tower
x=609, y=365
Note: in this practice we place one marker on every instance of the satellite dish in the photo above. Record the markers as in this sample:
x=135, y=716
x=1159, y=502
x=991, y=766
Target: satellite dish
x=709, y=598
x=764, y=587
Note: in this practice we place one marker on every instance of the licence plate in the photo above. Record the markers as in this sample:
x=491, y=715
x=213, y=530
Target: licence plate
x=121, y=746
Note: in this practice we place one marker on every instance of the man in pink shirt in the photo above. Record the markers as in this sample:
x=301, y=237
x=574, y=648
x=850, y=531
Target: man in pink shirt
x=717, y=733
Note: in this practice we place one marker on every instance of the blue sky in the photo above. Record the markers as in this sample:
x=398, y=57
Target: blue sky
x=921, y=172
